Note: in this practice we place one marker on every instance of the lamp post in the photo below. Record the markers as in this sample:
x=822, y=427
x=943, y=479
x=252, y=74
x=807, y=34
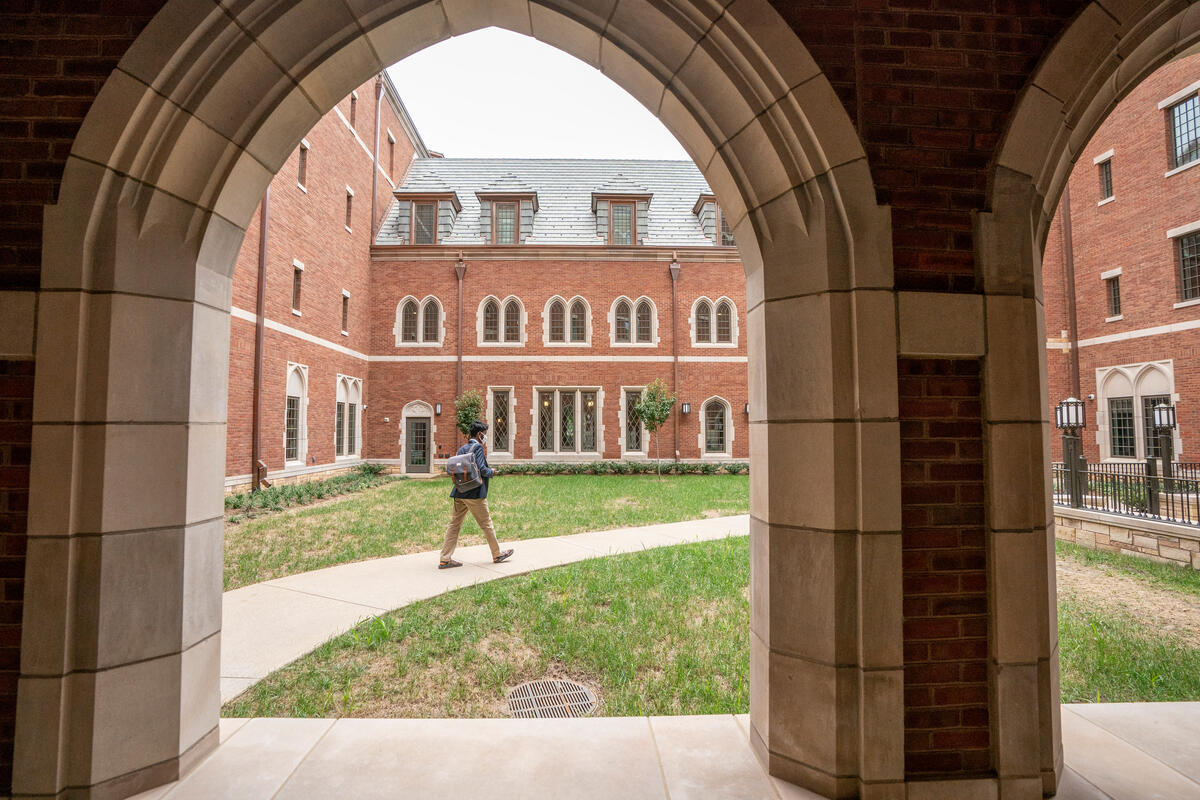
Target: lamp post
x=1069, y=418
x=1164, y=426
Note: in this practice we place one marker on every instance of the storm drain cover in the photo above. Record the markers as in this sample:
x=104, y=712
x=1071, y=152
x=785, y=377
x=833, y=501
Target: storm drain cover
x=551, y=698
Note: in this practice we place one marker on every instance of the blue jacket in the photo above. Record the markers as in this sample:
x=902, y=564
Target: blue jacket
x=485, y=472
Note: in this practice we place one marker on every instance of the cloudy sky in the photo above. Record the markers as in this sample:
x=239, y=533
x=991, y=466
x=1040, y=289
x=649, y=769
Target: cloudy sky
x=497, y=93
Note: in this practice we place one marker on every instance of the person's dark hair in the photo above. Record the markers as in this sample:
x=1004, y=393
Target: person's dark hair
x=477, y=427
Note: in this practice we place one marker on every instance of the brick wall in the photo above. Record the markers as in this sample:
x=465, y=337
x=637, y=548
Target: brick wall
x=16, y=410
x=944, y=568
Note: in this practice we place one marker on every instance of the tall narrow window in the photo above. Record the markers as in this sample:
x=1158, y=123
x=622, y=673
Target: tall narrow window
x=1189, y=266
x=703, y=322
x=557, y=313
x=505, y=223
x=491, y=322
x=302, y=166
x=1120, y=419
x=1185, y=132
x=546, y=421
x=353, y=108
x=1114, y=296
x=512, y=321
x=1151, y=436
x=291, y=436
x=621, y=223
x=578, y=322
x=714, y=427
x=408, y=322
x=587, y=419
x=431, y=318
x=644, y=322
x=424, y=223
x=339, y=425
x=566, y=415
x=345, y=313
x=500, y=422
x=349, y=208
x=621, y=319
x=633, y=425
x=725, y=233
x=297, y=273
x=1106, y=185
x=724, y=322
x=391, y=155
x=351, y=428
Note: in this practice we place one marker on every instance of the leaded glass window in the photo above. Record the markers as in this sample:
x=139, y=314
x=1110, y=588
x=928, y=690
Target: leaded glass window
x=644, y=321
x=724, y=322
x=291, y=435
x=424, y=223
x=566, y=420
x=621, y=318
x=1151, y=436
x=408, y=322
x=500, y=423
x=546, y=421
x=352, y=429
x=1120, y=422
x=512, y=321
x=633, y=425
x=556, y=321
x=726, y=236
x=491, y=322
x=587, y=428
x=714, y=427
x=1189, y=266
x=703, y=322
x=339, y=439
x=430, y=317
x=622, y=223
x=1185, y=132
x=578, y=322
x=506, y=223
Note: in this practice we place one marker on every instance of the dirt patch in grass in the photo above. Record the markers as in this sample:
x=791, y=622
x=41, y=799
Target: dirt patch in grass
x=1107, y=591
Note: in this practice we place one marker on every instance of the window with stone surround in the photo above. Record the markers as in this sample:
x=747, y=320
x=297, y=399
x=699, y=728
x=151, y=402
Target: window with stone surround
x=568, y=420
x=715, y=418
x=1122, y=443
x=1184, y=128
x=424, y=222
x=418, y=322
x=345, y=312
x=1189, y=266
x=295, y=425
x=297, y=278
x=1113, y=291
x=622, y=223
x=1149, y=435
x=567, y=323
x=714, y=323
x=501, y=429
x=1106, y=182
x=346, y=439
x=501, y=322
x=724, y=231
x=302, y=165
x=633, y=432
x=506, y=222
x=1126, y=396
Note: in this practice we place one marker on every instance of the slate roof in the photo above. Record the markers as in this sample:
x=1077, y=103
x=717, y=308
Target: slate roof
x=564, y=188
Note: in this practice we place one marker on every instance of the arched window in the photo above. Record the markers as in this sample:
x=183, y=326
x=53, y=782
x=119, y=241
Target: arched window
x=621, y=321
x=431, y=318
x=491, y=322
x=644, y=321
x=578, y=322
x=704, y=322
x=294, y=422
x=724, y=322
x=556, y=321
x=512, y=321
x=408, y=322
x=345, y=431
x=714, y=427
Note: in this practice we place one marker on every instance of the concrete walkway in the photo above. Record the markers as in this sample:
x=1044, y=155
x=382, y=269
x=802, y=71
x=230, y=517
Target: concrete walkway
x=1138, y=751
x=268, y=625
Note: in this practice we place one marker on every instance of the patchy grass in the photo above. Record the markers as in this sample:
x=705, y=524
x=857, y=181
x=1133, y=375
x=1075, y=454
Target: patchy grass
x=411, y=516
x=664, y=631
x=1166, y=576
x=247, y=505
x=1113, y=657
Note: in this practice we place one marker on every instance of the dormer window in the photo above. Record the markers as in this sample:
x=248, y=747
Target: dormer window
x=622, y=210
x=622, y=223
x=713, y=222
x=506, y=222
x=426, y=213
x=424, y=222
x=724, y=231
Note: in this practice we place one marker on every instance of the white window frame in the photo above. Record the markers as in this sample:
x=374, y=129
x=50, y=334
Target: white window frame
x=727, y=453
x=302, y=423
x=655, y=339
x=567, y=303
x=502, y=305
x=502, y=455
x=297, y=266
x=636, y=455
x=421, y=302
x=347, y=386
x=1099, y=160
x=349, y=208
x=1166, y=105
x=734, y=324
x=346, y=300
x=567, y=455
x=302, y=161
x=1137, y=376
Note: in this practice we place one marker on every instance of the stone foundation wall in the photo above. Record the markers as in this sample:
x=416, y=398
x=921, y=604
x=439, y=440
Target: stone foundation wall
x=1145, y=538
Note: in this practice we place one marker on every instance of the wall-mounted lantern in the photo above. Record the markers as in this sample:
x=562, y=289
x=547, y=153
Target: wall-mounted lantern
x=1068, y=415
x=685, y=408
x=437, y=409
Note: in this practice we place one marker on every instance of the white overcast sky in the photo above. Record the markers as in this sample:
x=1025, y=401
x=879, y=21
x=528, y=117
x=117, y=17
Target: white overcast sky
x=495, y=93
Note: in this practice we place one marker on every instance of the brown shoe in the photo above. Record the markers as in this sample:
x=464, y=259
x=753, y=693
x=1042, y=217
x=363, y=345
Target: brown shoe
x=502, y=557
x=451, y=563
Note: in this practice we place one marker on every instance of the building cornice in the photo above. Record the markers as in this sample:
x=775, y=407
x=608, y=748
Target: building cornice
x=552, y=252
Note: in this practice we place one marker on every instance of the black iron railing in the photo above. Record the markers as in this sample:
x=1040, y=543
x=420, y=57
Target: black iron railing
x=1136, y=489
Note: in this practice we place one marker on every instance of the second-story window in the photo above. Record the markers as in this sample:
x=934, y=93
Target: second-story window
x=1184, y=124
x=621, y=319
x=622, y=223
x=424, y=222
x=297, y=275
x=391, y=155
x=724, y=232
x=645, y=322
x=704, y=322
x=302, y=166
x=557, y=326
x=349, y=208
x=506, y=224
x=512, y=321
x=491, y=321
x=345, y=311
x=724, y=322
x=408, y=322
x=1106, y=181
x=353, y=108
x=578, y=321
x=1113, y=286
x=1189, y=266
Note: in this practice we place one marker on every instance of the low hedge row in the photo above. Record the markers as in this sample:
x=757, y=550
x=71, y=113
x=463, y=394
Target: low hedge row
x=624, y=468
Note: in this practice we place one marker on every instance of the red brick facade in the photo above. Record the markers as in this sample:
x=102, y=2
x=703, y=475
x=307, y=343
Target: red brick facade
x=1153, y=340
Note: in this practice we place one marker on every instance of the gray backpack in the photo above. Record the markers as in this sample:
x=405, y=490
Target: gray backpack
x=464, y=470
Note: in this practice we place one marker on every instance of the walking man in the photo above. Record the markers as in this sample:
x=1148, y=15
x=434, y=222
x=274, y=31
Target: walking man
x=473, y=500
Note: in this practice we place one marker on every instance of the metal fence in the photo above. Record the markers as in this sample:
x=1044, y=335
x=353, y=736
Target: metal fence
x=1135, y=489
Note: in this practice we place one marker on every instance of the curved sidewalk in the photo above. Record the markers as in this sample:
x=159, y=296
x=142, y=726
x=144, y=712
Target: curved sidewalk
x=268, y=625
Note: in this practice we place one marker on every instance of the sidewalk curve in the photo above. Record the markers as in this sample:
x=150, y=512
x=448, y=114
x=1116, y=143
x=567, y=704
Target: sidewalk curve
x=268, y=625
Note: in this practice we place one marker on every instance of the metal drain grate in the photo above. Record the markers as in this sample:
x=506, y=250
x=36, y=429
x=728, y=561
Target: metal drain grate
x=551, y=698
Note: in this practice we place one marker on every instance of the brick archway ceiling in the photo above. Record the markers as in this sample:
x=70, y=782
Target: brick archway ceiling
x=928, y=89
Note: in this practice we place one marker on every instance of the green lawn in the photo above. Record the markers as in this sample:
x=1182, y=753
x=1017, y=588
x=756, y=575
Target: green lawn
x=664, y=631
x=411, y=516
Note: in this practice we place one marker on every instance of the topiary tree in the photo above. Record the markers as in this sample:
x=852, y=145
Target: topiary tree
x=468, y=407
x=654, y=409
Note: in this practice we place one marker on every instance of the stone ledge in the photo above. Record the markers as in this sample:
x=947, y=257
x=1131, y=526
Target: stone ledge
x=1146, y=538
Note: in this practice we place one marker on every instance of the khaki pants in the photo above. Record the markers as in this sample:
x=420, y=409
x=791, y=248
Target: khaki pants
x=479, y=510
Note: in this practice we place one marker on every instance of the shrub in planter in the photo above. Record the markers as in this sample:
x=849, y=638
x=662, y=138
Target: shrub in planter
x=709, y=468
x=620, y=467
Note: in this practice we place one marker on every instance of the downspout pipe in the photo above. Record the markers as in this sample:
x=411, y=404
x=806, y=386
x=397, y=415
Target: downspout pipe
x=1069, y=269
x=375, y=157
x=460, y=271
x=674, y=270
x=257, y=468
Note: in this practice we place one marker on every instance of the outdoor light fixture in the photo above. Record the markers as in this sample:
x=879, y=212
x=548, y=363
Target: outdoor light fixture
x=747, y=408
x=437, y=409
x=686, y=408
x=1164, y=417
x=546, y=402
x=1068, y=415
x=591, y=402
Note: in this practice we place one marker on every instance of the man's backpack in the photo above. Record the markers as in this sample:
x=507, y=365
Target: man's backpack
x=464, y=470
